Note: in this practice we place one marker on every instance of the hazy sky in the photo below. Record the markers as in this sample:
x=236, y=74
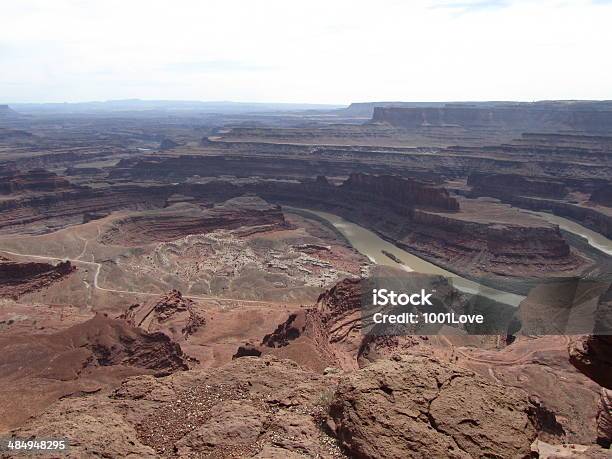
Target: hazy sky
x=320, y=51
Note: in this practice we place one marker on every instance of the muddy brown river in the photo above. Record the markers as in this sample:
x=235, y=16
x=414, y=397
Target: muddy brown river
x=373, y=246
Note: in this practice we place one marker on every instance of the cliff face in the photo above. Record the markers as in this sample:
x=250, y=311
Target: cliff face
x=603, y=195
x=171, y=314
x=428, y=222
x=183, y=219
x=17, y=278
x=407, y=193
x=496, y=247
x=34, y=180
x=521, y=117
x=494, y=184
x=591, y=218
x=37, y=214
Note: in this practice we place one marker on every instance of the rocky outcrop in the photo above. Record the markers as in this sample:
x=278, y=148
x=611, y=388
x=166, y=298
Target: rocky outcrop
x=592, y=355
x=266, y=408
x=43, y=212
x=84, y=358
x=419, y=407
x=247, y=350
x=182, y=219
x=336, y=331
x=604, y=419
x=110, y=342
x=593, y=219
x=262, y=408
x=18, y=278
x=172, y=314
x=495, y=247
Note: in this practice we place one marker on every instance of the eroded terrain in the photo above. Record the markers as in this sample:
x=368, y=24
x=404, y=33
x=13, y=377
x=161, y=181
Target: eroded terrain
x=169, y=286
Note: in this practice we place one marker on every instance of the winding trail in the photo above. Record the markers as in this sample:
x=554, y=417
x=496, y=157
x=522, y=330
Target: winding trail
x=97, y=286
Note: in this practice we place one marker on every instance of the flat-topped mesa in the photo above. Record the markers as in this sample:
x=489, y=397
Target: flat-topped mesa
x=404, y=192
x=34, y=180
x=532, y=117
x=499, y=184
x=6, y=112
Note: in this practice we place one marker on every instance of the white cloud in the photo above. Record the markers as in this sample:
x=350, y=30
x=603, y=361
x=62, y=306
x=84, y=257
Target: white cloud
x=333, y=51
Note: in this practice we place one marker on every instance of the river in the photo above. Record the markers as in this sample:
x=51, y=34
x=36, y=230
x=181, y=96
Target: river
x=371, y=245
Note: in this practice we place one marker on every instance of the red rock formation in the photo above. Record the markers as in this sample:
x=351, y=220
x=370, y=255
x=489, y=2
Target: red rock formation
x=34, y=180
x=419, y=407
x=604, y=419
x=18, y=278
x=183, y=219
x=592, y=355
x=400, y=191
x=495, y=246
x=86, y=357
x=171, y=314
x=38, y=213
x=594, y=219
x=266, y=408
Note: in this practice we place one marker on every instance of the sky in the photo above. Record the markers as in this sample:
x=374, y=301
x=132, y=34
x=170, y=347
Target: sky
x=305, y=51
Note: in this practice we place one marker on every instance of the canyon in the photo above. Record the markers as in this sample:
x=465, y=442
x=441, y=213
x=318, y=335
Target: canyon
x=170, y=286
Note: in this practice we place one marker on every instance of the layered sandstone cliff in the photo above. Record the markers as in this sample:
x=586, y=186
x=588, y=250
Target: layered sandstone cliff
x=393, y=189
x=525, y=117
x=34, y=180
x=182, y=219
x=495, y=184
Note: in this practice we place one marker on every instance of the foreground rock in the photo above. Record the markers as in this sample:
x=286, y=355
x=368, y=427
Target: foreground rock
x=266, y=407
x=248, y=408
x=37, y=370
x=418, y=407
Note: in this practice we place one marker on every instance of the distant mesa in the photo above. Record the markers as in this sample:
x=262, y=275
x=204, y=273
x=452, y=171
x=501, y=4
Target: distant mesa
x=538, y=116
x=7, y=112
